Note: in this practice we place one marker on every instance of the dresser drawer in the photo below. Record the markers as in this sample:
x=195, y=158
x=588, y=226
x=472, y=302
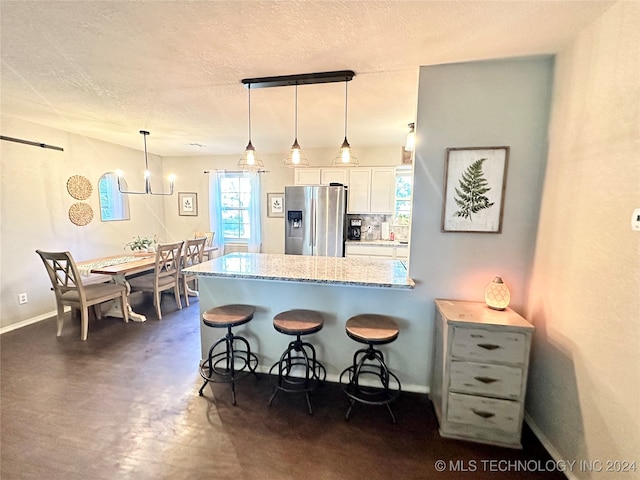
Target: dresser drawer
x=488, y=346
x=484, y=412
x=493, y=380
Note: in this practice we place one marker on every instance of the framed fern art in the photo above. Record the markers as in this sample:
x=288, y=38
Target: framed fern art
x=474, y=186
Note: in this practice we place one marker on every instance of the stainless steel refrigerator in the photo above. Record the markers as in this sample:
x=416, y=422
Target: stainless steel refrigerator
x=315, y=220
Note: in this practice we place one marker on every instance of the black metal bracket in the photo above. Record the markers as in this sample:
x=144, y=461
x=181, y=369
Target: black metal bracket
x=33, y=144
x=299, y=79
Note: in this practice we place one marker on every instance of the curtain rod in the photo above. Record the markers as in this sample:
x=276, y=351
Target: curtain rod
x=27, y=142
x=236, y=171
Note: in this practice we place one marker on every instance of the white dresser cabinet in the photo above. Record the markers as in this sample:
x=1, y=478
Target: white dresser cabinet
x=479, y=376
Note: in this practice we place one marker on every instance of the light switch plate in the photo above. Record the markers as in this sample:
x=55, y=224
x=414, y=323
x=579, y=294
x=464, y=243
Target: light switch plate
x=635, y=220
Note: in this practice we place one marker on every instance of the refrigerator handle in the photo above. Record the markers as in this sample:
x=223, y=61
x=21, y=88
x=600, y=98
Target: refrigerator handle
x=312, y=240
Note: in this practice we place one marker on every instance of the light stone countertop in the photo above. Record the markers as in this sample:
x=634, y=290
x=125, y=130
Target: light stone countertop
x=308, y=269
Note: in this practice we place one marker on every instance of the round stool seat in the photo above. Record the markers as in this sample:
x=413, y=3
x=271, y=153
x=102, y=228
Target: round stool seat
x=298, y=322
x=372, y=329
x=228, y=315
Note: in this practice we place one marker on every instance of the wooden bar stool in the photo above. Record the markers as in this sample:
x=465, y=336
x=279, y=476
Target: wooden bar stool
x=235, y=361
x=384, y=387
x=298, y=368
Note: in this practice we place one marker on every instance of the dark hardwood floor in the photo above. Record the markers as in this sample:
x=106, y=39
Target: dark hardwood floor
x=125, y=405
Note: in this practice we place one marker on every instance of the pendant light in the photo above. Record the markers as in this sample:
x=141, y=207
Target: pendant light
x=345, y=156
x=147, y=176
x=295, y=157
x=249, y=160
x=410, y=142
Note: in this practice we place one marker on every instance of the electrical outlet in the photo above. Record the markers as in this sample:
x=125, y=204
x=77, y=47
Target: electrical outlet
x=22, y=298
x=635, y=220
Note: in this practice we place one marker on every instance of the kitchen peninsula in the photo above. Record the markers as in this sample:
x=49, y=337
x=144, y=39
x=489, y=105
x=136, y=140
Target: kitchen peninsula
x=337, y=287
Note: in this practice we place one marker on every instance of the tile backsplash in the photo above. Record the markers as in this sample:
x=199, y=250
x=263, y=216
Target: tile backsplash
x=401, y=232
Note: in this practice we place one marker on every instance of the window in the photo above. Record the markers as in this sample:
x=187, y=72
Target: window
x=235, y=194
x=404, y=185
x=113, y=204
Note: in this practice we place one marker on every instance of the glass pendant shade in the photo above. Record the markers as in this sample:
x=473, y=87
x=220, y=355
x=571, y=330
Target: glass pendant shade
x=249, y=160
x=497, y=295
x=295, y=157
x=410, y=142
x=147, y=177
x=345, y=156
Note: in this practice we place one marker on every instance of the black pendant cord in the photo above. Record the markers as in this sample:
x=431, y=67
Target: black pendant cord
x=33, y=144
x=146, y=159
x=296, y=115
x=249, y=87
x=346, y=103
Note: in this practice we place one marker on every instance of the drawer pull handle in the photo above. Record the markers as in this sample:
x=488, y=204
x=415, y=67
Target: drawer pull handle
x=486, y=379
x=476, y=335
x=488, y=346
x=482, y=414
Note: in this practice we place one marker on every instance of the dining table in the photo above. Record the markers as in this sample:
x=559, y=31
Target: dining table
x=121, y=266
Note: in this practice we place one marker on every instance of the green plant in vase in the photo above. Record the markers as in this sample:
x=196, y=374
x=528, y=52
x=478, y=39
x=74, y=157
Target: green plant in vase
x=142, y=243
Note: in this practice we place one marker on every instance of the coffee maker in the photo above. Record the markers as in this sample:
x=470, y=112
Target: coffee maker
x=355, y=229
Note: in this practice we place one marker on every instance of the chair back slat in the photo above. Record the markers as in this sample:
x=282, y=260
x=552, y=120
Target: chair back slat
x=62, y=270
x=208, y=235
x=168, y=260
x=193, y=251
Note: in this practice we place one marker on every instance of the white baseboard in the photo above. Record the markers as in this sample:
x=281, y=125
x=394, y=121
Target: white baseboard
x=334, y=378
x=547, y=445
x=31, y=321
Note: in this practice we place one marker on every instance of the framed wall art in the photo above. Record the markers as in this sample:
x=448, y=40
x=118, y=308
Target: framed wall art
x=275, y=204
x=474, y=186
x=188, y=204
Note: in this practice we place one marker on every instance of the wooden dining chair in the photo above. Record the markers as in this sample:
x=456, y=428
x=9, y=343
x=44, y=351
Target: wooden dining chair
x=208, y=246
x=193, y=254
x=166, y=275
x=208, y=235
x=69, y=290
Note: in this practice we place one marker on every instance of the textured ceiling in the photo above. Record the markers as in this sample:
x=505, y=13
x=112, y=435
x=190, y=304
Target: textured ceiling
x=107, y=69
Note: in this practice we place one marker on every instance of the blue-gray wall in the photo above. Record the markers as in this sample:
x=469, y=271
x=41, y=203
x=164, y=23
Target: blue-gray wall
x=490, y=103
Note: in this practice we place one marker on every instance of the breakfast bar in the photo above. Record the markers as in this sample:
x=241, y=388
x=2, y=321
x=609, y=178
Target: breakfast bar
x=338, y=288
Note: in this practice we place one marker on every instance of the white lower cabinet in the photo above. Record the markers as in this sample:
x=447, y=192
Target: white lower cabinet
x=479, y=372
x=369, y=251
x=389, y=252
x=402, y=252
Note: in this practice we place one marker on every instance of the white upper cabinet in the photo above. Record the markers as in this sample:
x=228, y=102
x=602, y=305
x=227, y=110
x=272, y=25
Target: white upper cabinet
x=383, y=190
x=307, y=176
x=334, y=175
x=371, y=190
x=359, y=196
x=321, y=176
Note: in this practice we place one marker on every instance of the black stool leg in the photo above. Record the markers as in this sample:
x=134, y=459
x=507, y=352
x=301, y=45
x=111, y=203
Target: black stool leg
x=210, y=362
x=229, y=357
x=375, y=366
x=312, y=369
